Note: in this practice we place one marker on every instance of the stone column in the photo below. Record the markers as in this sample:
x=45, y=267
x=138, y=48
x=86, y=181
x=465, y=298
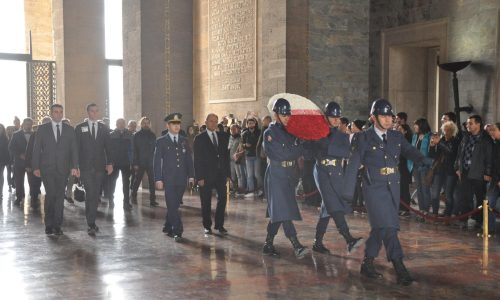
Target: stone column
x=79, y=52
x=158, y=60
x=38, y=19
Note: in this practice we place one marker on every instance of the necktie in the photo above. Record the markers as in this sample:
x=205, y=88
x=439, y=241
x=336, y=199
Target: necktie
x=384, y=138
x=93, y=130
x=214, y=139
x=175, y=140
x=58, y=133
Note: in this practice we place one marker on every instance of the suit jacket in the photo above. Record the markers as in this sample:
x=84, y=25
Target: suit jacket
x=51, y=156
x=173, y=164
x=93, y=154
x=29, y=151
x=17, y=147
x=211, y=163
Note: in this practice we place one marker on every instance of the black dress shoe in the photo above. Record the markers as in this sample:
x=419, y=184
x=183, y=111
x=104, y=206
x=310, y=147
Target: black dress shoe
x=207, y=231
x=70, y=200
x=127, y=206
x=48, y=231
x=222, y=230
x=92, y=230
x=168, y=231
x=153, y=203
x=58, y=231
x=178, y=238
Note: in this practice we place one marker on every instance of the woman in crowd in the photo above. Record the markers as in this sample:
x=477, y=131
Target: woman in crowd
x=236, y=155
x=444, y=152
x=421, y=141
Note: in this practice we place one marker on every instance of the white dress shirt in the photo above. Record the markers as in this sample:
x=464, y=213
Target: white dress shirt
x=211, y=136
x=54, y=129
x=90, y=127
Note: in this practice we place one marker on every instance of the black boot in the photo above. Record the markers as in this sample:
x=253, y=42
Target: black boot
x=300, y=251
x=268, y=248
x=402, y=273
x=352, y=242
x=318, y=245
x=368, y=269
x=153, y=203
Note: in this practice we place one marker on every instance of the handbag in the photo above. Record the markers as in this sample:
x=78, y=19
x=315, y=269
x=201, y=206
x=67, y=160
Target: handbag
x=79, y=191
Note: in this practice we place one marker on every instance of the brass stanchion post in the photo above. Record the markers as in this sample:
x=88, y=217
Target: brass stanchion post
x=485, y=219
x=227, y=193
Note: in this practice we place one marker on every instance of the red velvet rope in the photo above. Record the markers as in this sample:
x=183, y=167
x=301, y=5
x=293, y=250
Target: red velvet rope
x=442, y=219
x=303, y=196
x=419, y=213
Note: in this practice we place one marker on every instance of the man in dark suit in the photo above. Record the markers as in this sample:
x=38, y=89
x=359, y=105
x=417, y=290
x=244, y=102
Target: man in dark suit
x=211, y=167
x=17, y=148
x=120, y=144
x=34, y=181
x=54, y=157
x=92, y=140
x=173, y=166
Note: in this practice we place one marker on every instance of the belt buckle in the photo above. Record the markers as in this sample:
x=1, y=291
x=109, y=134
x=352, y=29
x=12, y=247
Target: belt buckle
x=387, y=171
x=329, y=162
x=286, y=163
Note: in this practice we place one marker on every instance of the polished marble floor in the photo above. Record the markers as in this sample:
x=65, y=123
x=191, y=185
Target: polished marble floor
x=132, y=259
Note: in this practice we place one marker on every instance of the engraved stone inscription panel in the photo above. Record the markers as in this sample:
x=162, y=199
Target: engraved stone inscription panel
x=232, y=50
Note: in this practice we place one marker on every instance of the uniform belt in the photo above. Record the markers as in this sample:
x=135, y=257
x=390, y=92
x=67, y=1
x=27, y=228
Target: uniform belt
x=330, y=162
x=388, y=171
x=284, y=164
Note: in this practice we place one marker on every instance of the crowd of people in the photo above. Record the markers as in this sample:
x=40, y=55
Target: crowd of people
x=258, y=158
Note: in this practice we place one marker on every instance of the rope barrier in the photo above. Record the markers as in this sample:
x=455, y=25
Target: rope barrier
x=303, y=196
x=419, y=213
x=442, y=219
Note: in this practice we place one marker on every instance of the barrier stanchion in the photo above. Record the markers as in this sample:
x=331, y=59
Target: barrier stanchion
x=485, y=219
x=227, y=194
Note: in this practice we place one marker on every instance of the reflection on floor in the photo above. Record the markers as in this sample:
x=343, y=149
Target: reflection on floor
x=132, y=259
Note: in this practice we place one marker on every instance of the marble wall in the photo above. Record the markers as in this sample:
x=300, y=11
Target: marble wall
x=316, y=48
x=338, y=54
x=472, y=34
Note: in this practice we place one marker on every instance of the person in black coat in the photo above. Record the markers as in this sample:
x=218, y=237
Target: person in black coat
x=474, y=166
x=143, y=149
x=211, y=167
x=17, y=147
x=4, y=156
x=119, y=143
x=54, y=157
x=494, y=187
x=404, y=172
x=92, y=139
x=35, y=182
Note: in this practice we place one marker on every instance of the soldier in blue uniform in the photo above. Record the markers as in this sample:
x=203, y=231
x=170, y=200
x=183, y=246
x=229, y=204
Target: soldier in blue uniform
x=331, y=155
x=378, y=149
x=173, y=167
x=281, y=178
